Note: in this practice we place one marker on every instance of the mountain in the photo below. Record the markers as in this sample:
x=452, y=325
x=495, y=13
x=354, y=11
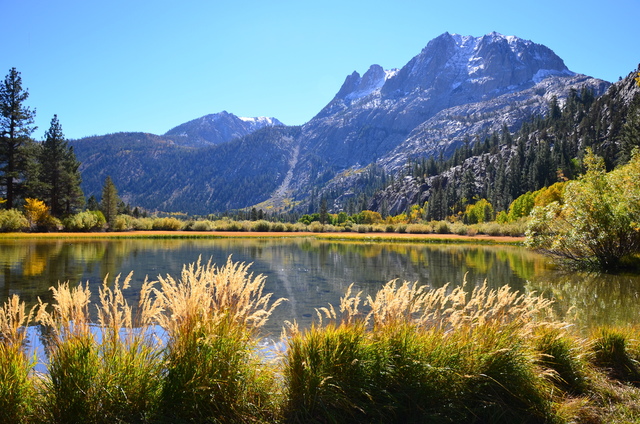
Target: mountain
x=218, y=128
x=504, y=166
x=457, y=87
x=156, y=173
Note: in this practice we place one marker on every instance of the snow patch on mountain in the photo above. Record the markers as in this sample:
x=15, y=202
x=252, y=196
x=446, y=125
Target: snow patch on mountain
x=262, y=121
x=545, y=73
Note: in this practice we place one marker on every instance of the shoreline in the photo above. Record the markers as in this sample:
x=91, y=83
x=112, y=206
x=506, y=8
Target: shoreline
x=332, y=236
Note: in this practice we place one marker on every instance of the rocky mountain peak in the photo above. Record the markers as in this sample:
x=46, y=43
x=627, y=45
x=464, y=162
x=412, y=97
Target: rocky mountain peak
x=476, y=66
x=356, y=87
x=218, y=128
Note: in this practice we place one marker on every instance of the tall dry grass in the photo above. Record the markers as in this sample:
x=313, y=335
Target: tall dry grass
x=188, y=352
x=107, y=372
x=71, y=394
x=420, y=355
x=17, y=393
x=212, y=367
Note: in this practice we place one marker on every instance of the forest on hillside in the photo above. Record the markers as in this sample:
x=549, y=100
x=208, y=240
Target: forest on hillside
x=502, y=166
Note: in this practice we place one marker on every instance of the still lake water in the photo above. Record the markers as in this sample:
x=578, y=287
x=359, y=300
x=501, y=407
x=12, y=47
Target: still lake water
x=312, y=273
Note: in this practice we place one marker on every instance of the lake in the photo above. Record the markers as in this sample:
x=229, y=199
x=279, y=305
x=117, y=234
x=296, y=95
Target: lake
x=312, y=273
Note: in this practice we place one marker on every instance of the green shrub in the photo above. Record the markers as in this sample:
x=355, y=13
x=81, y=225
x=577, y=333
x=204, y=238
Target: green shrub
x=167, y=224
x=459, y=228
x=202, y=225
x=85, y=221
x=491, y=228
x=12, y=220
x=316, y=227
x=376, y=228
x=260, y=226
x=123, y=223
x=417, y=228
x=277, y=227
x=598, y=226
x=143, y=224
x=441, y=227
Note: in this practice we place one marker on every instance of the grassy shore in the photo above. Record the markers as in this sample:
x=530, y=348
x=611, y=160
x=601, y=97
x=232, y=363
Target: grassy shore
x=190, y=352
x=381, y=237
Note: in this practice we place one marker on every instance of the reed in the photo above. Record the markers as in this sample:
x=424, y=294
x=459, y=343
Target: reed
x=70, y=389
x=212, y=366
x=420, y=355
x=616, y=350
x=17, y=394
x=107, y=372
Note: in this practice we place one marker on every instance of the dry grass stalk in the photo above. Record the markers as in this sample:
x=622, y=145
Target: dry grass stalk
x=70, y=315
x=443, y=308
x=13, y=321
x=113, y=312
x=205, y=292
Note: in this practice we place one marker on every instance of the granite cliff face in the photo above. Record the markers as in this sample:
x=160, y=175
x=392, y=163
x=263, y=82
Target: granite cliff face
x=456, y=87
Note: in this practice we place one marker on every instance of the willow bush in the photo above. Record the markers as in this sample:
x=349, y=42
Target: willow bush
x=598, y=224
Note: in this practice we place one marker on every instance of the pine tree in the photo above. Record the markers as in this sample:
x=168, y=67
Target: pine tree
x=16, y=126
x=92, y=203
x=630, y=132
x=59, y=174
x=324, y=214
x=109, y=202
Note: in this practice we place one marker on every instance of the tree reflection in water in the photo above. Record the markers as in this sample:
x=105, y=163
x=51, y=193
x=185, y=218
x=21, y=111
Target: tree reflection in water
x=312, y=273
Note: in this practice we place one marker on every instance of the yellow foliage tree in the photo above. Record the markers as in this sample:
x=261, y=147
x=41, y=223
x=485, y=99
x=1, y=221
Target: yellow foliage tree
x=550, y=194
x=37, y=212
x=371, y=217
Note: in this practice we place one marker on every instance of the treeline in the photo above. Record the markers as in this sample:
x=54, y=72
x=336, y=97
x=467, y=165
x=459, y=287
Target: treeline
x=47, y=171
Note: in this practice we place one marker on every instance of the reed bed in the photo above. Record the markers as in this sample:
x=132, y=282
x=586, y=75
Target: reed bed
x=17, y=392
x=189, y=352
x=421, y=355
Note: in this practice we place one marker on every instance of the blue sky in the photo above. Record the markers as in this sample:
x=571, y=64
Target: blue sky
x=138, y=65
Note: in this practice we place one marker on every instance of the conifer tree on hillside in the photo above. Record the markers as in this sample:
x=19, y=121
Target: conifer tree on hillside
x=16, y=127
x=109, y=202
x=59, y=175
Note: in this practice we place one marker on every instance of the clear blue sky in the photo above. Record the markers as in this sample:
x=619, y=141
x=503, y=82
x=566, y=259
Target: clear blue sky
x=139, y=65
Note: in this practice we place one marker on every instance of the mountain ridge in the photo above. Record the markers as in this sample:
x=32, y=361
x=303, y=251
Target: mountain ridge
x=456, y=87
x=218, y=128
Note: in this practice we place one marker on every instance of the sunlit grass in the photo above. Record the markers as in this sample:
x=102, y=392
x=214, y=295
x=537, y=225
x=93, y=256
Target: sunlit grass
x=421, y=355
x=212, y=366
x=190, y=351
x=17, y=392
